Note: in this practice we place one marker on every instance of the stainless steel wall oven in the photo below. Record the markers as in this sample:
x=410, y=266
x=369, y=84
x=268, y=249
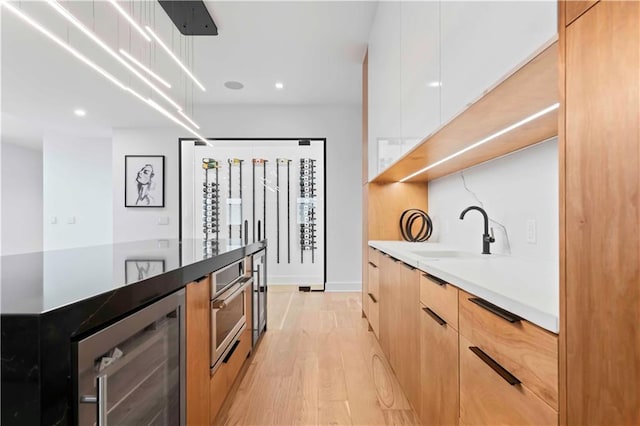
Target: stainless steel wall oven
x=228, y=308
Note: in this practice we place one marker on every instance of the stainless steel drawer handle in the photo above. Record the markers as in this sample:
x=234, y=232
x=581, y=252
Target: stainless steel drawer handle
x=503, y=372
x=102, y=400
x=496, y=310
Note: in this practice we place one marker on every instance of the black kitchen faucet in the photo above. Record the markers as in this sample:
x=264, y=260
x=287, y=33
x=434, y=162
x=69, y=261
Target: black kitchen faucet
x=486, y=238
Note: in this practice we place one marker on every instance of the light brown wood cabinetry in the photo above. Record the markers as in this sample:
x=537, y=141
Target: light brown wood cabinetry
x=441, y=297
x=599, y=288
x=439, y=404
x=372, y=295
x=575, y=8
x=527, y=351
x=405, y=332
x=197, y=326
x=486, y=398
x=389, y=278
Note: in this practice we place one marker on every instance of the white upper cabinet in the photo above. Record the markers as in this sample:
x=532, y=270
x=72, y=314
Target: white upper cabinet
x=385, y=99
x=420, y=70
x=428, y=60
x=484, y=41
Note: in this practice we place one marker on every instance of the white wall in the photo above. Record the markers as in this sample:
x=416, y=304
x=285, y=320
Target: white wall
x=514, y=189
x=77, y=184
x=21, y=199
x=339, y=124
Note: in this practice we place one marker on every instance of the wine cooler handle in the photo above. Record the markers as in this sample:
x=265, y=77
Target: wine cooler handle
x=102, y=400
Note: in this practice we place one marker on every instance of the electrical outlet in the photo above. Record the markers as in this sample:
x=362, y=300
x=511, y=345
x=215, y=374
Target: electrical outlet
x=531, y=231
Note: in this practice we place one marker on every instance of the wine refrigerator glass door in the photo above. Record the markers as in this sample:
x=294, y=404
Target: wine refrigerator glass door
x=132, y=372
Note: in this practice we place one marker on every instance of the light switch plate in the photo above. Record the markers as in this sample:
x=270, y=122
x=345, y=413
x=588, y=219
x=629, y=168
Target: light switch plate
x=531, y=231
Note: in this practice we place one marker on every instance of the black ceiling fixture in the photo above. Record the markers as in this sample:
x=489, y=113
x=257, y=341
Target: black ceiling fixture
x=190, y=17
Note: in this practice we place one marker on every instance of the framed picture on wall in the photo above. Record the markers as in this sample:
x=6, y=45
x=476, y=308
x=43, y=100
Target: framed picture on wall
x=144, y=181
x=140, y=269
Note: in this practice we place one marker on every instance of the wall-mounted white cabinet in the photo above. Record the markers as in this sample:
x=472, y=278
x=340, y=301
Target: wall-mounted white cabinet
x=385, y=91
x=420, y=70
x=429, y=60
x=484, y=41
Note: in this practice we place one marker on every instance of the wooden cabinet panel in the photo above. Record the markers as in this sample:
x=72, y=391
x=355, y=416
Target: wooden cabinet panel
x=234, y=364
x=389, y=277
x=405, y=333
x=374, y=317
x=218, y=388
x=441, y=297
x=487, y=399
x=438, y=373
x=575, y=8
x=602, y=210
x=528, y=352
x=197, y=325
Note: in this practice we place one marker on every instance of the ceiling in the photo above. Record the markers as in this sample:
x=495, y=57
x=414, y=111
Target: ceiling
x=314, y=48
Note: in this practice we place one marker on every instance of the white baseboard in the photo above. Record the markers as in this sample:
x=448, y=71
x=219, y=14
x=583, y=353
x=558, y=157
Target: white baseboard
x=344, y=286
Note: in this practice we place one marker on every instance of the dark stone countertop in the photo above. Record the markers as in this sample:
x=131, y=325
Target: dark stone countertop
x=50, y=299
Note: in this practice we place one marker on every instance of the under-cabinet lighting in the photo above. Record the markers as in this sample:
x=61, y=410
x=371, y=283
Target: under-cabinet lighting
x=279, y=85
x=95, y=67
x=144, y=68
x=186, y=117
x=483, y=141
x=80, y=112
x=128, y=17
x=435, y=84
x=71, y=18
x=175, y=58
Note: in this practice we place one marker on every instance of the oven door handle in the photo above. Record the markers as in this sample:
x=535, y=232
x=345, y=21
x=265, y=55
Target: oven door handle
x=221, y=303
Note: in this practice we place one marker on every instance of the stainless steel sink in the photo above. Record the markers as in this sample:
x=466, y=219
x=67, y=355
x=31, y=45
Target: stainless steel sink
x=448, y=254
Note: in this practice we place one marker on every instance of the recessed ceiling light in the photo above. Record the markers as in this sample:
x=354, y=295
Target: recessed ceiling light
x=233, y=85
x=279, y=85
x=80, y=112
x=435, y=84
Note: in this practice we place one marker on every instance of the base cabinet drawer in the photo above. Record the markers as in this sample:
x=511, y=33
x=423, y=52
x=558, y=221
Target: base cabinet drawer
x=438, y=371
x=487, y=398
x=374, y=314
x=226, y=374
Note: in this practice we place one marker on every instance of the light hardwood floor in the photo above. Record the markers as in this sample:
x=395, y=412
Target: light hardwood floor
x=317, y=365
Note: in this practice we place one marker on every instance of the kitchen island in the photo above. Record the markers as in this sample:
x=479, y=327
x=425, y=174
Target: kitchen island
x=51, y=299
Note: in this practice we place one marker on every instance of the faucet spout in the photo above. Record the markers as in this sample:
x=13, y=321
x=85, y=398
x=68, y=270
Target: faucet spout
x=486, y=238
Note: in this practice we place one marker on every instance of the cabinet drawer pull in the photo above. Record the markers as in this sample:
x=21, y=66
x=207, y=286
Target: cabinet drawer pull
x=372, y=298
x=373, y=264
x=201, y=278
x=496, y=310
x=411, y=268
x=437, y=318
x=510, y=378
x=435, y=280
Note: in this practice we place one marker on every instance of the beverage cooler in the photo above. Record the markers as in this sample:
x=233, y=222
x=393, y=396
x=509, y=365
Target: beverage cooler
x=235, y=192
x=132, y=372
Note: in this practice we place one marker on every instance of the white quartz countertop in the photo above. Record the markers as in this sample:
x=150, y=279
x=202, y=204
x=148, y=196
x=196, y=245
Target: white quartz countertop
x=528, y=288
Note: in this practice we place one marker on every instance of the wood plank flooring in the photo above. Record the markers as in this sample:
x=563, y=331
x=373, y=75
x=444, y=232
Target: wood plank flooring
x=317, y=365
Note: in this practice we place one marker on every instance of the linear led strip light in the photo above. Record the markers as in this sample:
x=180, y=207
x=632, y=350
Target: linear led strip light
x=483, y=141
x=95, y=67
x=144, y=68
x=175, y=58
x=129, y=19
x=69, y=17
